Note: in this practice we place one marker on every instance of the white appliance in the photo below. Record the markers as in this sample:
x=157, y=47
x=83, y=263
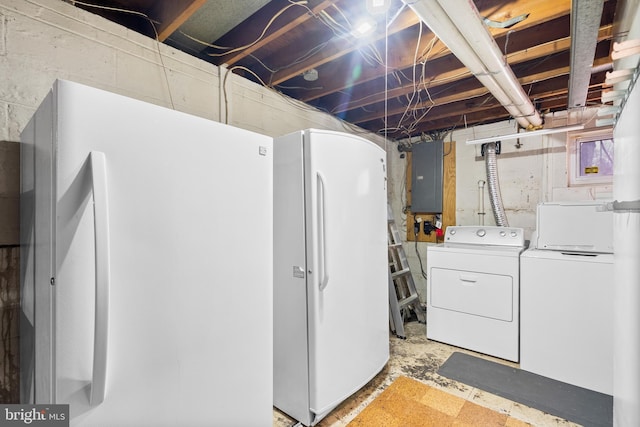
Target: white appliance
x=143, y=264
x=473, y=289
x=567, y=296
x=331, y=313
x=574, y=226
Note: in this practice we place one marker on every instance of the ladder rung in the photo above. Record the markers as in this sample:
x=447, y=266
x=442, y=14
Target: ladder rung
x=400, y=273
x=408, y=300
x=395, y=245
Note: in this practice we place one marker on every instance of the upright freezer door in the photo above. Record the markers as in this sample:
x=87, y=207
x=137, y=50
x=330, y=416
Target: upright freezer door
x=347, y=248
x=156, y=343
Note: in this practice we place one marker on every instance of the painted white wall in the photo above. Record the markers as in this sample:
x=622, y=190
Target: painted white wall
x=530, y=170
x=534, y=172
x=42, y=40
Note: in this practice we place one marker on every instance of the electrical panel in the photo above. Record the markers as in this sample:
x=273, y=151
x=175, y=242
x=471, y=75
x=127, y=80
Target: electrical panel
x=426, y=177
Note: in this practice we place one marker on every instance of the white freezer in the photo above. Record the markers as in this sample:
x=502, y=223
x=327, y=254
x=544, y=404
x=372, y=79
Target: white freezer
x=147, y=253
x=331, y=324
x=566, y=317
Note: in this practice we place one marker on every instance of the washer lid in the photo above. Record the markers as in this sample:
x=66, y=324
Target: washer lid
x=568, y=256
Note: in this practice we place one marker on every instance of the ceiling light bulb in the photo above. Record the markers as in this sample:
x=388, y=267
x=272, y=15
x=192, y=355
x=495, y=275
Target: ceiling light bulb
x=378, y=6
x=364, y=27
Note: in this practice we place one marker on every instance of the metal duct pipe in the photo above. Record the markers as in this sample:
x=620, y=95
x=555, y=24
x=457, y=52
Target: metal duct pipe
x=493, y=185
x=585, y=23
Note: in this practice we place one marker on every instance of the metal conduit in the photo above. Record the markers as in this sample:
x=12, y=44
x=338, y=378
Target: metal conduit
x=493, y=185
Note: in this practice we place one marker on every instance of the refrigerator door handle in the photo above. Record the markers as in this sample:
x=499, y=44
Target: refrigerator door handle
x=322, y=232
x=102, y=278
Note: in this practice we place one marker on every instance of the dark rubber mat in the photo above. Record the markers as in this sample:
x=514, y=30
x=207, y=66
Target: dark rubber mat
x=563, y=400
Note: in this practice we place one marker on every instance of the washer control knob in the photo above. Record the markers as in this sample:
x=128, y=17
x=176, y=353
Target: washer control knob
x=503, y=233
x=514, y=234
x=481, y=232
x=453, y=231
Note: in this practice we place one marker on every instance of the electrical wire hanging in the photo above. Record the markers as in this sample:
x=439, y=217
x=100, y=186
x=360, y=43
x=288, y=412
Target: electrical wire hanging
x=155, y=32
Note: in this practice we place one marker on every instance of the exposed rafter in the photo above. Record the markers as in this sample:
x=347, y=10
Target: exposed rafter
x=422, y=87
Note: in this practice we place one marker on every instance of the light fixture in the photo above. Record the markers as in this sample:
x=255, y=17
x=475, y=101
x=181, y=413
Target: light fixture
x=458, y=24
x=363, y=27
x=310, y=75
x=378, y=7
x=517, y=135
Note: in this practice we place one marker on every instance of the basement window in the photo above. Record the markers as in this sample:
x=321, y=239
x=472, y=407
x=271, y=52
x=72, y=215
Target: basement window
x=590, y=158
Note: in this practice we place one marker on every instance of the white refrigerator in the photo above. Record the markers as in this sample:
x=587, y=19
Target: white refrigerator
x=146, y=264
x=331, y=324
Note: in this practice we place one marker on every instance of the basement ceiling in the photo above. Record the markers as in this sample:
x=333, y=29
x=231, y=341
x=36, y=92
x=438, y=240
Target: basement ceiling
x=424, y=90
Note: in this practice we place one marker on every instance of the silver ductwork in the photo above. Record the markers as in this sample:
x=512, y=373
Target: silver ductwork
x=493, y=185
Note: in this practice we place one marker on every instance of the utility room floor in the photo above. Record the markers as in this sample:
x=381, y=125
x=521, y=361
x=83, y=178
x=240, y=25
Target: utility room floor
x=419, y=358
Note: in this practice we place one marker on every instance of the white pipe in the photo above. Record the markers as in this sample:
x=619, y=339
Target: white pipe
x=459, y=25
x=467, y=19
x=481, y=212
x=529, y=134
x=438, y=21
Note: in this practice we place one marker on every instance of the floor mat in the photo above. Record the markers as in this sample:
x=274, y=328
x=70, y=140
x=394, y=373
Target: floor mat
x=407, y=402
x=567, y=401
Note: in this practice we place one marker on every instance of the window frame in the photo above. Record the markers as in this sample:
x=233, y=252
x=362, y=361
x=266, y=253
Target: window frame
x=574, y=178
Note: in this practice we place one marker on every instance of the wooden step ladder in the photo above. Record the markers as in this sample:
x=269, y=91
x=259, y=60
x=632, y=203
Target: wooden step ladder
x=403, y=295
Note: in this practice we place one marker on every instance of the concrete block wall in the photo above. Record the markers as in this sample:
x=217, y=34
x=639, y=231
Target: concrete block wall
x=42, y=40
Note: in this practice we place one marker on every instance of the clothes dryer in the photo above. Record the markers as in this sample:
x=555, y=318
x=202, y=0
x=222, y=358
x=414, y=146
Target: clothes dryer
x=473, y=289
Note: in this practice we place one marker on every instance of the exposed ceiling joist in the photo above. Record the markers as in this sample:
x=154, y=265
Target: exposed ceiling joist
x=421, y=88
x=172, y=14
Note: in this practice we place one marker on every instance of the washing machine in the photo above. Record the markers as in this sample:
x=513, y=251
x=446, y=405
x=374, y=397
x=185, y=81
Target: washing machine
x=566, y=280
x=473, y=289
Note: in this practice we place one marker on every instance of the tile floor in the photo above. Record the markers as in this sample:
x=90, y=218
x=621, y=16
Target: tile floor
x=418, y=358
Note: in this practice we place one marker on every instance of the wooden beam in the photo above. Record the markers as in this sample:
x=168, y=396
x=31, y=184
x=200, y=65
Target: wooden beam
x=275, y=34
x=472, y=93
x=337, y=48
x=440, y=78
x=172, y=14
x=404, y=58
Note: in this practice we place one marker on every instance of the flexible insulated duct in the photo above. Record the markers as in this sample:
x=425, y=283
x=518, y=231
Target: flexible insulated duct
x=493, y=185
